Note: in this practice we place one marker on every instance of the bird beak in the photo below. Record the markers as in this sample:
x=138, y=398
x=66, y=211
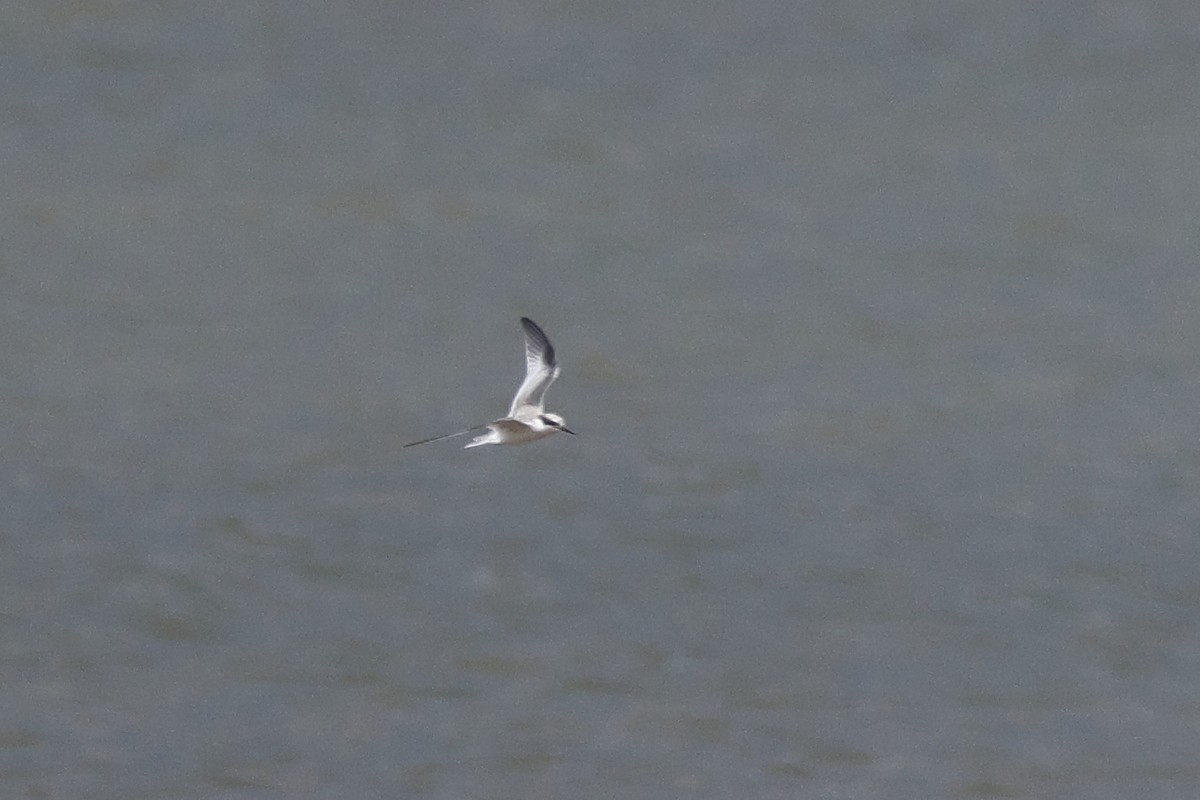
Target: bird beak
x=567, y=430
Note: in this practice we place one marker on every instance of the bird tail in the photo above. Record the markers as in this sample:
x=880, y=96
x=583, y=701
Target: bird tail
x=446, y=436
x=491, y=437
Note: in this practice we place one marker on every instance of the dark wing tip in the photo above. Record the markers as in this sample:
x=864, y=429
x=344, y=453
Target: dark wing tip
x=539, y=337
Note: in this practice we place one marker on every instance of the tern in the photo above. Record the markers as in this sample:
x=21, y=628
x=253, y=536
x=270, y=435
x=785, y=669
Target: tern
x=527, y=419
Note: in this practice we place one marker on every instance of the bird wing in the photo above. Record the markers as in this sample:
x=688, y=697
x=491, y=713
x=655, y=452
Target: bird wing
x=541, y=369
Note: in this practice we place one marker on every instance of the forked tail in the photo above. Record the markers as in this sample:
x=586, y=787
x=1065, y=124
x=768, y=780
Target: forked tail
x=491, y=437
x=447, y=436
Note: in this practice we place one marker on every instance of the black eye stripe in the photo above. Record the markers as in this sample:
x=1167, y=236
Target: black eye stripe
x=547, y=420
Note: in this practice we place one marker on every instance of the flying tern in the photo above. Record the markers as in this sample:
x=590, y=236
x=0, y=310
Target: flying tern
x=527, y=419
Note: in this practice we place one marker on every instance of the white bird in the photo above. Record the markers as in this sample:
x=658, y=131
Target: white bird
x=527, y=421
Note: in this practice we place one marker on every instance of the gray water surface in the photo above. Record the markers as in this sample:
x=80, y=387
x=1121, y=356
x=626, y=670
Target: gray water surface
x=877, y=326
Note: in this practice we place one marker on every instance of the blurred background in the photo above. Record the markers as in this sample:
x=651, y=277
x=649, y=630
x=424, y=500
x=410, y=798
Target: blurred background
x=877, y=327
